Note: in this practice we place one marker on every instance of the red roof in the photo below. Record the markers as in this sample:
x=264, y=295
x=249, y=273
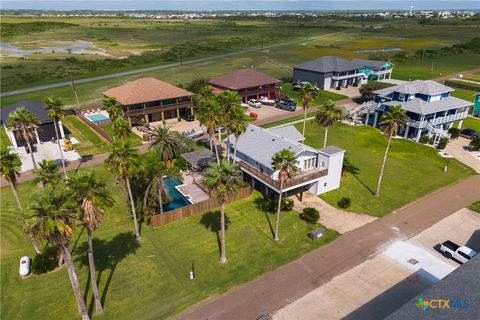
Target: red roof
x=145, y=90
x=241, y=79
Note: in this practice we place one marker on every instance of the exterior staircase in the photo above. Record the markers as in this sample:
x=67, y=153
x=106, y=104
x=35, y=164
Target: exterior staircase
x=368, y=105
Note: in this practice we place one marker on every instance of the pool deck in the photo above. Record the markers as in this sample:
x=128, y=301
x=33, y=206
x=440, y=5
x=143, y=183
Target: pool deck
x=192, y=192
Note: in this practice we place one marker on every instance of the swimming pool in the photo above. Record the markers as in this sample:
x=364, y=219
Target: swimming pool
x=97, y=117
x=178, y=200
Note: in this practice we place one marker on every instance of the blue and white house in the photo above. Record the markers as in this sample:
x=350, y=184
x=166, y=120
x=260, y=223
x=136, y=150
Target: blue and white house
x=430, y=108
x=319, y=170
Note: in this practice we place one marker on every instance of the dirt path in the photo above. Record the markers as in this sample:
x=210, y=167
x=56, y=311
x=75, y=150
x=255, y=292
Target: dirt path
x=292, y=281
x=450, y=76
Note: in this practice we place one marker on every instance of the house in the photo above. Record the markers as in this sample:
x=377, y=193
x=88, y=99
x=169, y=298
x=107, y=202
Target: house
x=46, y=129
x=430, y=108
x=331, y=72
x=319, y=170
x=248, y=83
x=148, y=100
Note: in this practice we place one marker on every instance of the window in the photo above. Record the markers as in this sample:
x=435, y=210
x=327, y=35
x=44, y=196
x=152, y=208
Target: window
x=309, y=163
x=466, y=256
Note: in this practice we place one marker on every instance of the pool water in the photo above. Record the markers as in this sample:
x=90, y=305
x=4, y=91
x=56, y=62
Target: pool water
x=96, y=117
x=178, y=200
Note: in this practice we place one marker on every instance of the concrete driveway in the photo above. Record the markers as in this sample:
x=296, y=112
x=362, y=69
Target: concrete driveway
x=350, y=92
x=458, y=148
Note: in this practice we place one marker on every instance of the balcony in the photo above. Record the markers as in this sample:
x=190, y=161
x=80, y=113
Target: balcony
x=153, y=109
x=439, y=120
x=349, y=76
x=302, y=178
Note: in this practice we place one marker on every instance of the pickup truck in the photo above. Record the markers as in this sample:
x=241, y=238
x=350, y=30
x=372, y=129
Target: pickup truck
x=451, y=250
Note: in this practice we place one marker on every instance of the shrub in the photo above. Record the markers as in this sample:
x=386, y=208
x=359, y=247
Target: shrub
x=475, y=143
x=344, y=203
x=454, y=133
x=442, y=143
x=287, y=204
x=338, y=88
x=310, y=215
x=424, y=139
x=46, y=261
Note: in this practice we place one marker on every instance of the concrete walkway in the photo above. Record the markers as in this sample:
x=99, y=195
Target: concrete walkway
x=331, y=217
x=280, y=287
x=459, y=149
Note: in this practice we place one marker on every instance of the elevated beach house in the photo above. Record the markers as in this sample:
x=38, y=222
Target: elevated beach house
x=319, y=170
x=148, y=100
x=332, y=72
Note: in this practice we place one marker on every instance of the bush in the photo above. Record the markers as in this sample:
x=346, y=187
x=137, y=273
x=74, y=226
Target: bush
x=454, y=133
x=310, y=215
x=475, y=144
x=442, y=143
x=287, y=204
x=424, y=139
x=338, y=88
x=344, y=203
x=46, y=261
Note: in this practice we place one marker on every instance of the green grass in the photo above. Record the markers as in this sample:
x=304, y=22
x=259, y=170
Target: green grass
x=412, y=170
x=475, y=206
x=151, y=281
x=134, y=139
x=4, y=140
x=470, y=122
x=322, y=97
x=90, y=143
x=463, y=94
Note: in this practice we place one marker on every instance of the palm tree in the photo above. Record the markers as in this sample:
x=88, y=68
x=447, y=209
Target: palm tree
x=209, y=114
x=285, y=163
x=24, y=123
x=53, y=212
x=113, y=107
x=10, y=165
x=391, y=121
x=237, y=125
x=55, y=112
x=308, y=92
x=93, y=197
x=204, y=93
x=223, y=181
x=47, y=173
x=121, y=129
x=166, y=143
x=327, y=115
x=122, y=160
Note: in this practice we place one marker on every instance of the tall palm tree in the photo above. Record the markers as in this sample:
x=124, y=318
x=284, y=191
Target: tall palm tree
x=24, y=124
x=166, y=143
x=47, y=173
x=93, y=197
x=123, y=159
x=223, y=181
x=53, y=212
x=285, y=163
x=327, y=115
x=121, y=129
x=209, y=114
x=237, y=125
x=55, y=112
x=308, y=93
x=391, y=121
x=113, y=107
x=204, y=93
x=10, y=165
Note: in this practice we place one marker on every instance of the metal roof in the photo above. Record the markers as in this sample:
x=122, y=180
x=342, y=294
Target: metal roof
x=331, y=150
x=199, y=159
x=337, y=64
x=420, y=106
x=288, y=132
x=37, y=108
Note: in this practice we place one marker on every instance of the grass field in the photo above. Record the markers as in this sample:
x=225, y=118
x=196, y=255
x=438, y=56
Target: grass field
x=464, y=94
x=412, y=170
x=472, y=123
x=4, y=140
x=322, y=97
x=134, y=139
x=475, y=206
x=149, y=280
x=90, y=142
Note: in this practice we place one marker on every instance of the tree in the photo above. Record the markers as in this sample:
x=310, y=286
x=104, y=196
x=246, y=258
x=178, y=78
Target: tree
x=93, y=197
x=53, y=212
x=391, y=121
x=197, y=85
x=454, y=133
x=366, y=90
x=475, y=143
x=56, y=113
x=24, y=124
x=209, y=115
x=308, y=92
x=327, y=115
x=10, y=166
x=237, y=125
x=122, y=160
x=202, y=94
x=223, y=181
x=166, y=143
x=121, y=129
x=47, y=173
x=285, y=162
x=113, y=107
x=229, y=101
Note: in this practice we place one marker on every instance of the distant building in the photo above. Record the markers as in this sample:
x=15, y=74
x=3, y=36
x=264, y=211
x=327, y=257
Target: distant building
x=46, y=129
x=331, y=72
x=149, y=99
x=248, y=83
x=476, y=105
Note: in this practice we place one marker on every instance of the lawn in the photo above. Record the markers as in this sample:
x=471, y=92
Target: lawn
x=463, y=94
x=149, y=280
x=322, y=97
x=4, y=140
x=475, y=206
x=471, y=122
x=134, y=139
x=90, y=142
x=412, y=170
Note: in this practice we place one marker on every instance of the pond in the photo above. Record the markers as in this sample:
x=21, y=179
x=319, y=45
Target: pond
x=378, y=50
x=75, y=47
x=178, y=200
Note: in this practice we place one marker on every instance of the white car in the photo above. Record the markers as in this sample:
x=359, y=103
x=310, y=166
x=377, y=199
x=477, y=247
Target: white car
x=24, y=266
x=266, y=101
x=451, y=250
x=254, y=103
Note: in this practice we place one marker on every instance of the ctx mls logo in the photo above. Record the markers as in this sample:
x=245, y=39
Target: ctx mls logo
x=425, y=304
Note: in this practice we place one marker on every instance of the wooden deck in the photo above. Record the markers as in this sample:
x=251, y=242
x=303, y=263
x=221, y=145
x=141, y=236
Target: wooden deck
x=192, y=192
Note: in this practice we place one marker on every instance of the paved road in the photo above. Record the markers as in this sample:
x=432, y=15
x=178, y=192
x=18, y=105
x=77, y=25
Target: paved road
x=164, y=66
x=450, y=76
x=292, y=281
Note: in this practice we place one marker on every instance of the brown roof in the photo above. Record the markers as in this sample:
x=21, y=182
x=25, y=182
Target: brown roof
x=144, y=90
x=243, y=78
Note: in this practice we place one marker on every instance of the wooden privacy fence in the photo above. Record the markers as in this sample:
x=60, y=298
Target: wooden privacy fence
x=97, y=129
x=158, y=220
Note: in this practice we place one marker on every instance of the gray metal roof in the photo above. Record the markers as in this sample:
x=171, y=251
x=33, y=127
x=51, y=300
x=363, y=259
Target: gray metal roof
x=420, y=106
x=37, y=108
x=199, y=159
x=261, y=144
x=337, y=64
x=331, y=150
x=369, y=63
x=289, y=132
x=428, y=87
x=462, y=284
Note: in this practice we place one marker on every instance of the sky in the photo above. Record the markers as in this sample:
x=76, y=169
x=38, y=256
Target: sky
x=269, y=5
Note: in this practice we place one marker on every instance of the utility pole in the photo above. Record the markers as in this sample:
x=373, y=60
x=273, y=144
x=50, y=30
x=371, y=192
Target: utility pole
x=75, y=92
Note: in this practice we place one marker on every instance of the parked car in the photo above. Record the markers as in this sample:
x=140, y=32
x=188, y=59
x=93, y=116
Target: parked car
x=187, y=117
x=266, y=101
x=300, y=85
x=194, y=134
x=254, y=103
x=317, y=233
x=288, y=105
x=24, y=269
x=451, y=250
x=468, y=133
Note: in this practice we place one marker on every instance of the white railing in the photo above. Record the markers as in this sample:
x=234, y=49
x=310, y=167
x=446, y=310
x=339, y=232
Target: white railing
x=348, y=76
x=449, y=118
x=370, y=105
